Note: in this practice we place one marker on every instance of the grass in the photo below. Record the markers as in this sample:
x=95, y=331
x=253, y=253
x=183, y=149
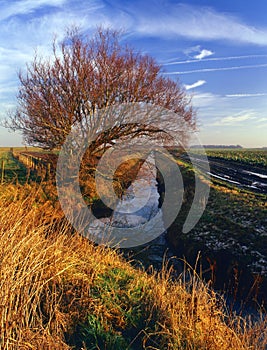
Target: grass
x=16, y=172
x=59, y=291
x=11, y=169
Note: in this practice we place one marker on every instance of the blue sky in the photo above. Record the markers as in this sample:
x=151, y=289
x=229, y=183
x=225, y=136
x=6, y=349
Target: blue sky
x=217, y=50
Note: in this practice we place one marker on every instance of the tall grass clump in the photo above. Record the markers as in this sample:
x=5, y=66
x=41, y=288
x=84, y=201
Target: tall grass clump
x=59, y=291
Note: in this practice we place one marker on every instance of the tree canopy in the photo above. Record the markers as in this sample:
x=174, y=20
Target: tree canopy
x=85, y=75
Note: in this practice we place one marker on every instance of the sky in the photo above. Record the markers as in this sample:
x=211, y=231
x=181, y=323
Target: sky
x=216, y=49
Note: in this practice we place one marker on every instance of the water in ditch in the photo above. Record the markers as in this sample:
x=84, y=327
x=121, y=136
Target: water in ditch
x=139, y=204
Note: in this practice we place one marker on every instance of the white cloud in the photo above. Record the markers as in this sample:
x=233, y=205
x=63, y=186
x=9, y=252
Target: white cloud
x=26, y=6
x=238, y=120
x=260, y=120
x=196, y=22
x=206, y=99
x=199, y=53
x=7, y=90
x=196, y=84
x=247, y=95
x=202, y=70
x=212, y=105
x=20, y=38
x=204, y=53
x=188, y=51
x=164, y=19
x=234, y=119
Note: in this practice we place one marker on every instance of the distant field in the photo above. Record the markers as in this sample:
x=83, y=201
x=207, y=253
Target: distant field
x=244, y=155
x=20, y=149
x=256, y=157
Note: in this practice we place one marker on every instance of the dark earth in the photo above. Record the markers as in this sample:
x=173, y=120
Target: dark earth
x=245, y=176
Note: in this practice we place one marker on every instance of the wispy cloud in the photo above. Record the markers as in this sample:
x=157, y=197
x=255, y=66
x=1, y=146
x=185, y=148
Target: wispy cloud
x=196, y=22
x=30, y=25
x=234, y=119
x=195, y=85
x=260, y=120
x=207, y=99
x=202, y=70
x=14, y=8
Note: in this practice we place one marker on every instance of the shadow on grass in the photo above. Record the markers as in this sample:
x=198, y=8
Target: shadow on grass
x=13, y=171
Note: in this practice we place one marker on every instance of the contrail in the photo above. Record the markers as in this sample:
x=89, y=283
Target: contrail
x=247, y=95
x=213, y=59
x=217, y=69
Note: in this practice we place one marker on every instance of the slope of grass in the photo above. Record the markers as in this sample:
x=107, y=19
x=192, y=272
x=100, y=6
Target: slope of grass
x=59, y=291
x=231, y=235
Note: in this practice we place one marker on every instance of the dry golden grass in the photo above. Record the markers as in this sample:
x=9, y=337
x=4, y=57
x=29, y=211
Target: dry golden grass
x=59, y=291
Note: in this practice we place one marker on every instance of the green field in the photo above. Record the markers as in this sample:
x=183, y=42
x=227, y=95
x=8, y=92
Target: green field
x=256, y=157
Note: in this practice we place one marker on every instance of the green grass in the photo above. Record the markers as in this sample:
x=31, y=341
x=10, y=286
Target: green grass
x=231, y=232
x=11, y=169
x=15, y=171
x=124, y=301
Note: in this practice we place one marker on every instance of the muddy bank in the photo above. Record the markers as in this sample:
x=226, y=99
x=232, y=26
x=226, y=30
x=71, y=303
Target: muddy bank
x=224, y=270
x=244, y=176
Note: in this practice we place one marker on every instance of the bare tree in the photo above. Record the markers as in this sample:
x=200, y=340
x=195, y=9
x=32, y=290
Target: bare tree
x=86, y=75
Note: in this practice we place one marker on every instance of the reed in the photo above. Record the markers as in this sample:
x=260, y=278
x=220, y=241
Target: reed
x=59, y=291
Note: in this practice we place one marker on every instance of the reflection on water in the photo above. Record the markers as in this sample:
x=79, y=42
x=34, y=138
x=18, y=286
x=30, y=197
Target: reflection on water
x=140, y=203
x=139, y=208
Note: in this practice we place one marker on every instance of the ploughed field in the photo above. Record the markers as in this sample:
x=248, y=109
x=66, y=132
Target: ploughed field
x=246, y=169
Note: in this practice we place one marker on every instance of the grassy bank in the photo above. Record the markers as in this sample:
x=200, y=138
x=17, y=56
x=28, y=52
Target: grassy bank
x=231, y=236
x=59, y=291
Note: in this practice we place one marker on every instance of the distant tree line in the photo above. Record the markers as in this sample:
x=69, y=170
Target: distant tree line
x=216, y=146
